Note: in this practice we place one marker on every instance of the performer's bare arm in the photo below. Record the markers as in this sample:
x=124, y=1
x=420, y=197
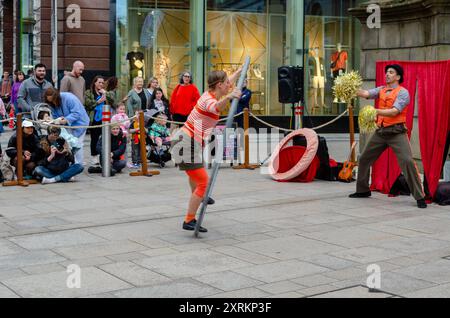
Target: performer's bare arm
x=235, y=93
x=363, y=93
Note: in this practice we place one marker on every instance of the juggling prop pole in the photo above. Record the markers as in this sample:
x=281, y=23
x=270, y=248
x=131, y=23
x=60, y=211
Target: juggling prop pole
x=216, y=165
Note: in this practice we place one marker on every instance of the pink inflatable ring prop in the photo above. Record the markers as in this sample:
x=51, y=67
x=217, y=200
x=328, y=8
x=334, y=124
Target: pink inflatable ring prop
x=311, y=149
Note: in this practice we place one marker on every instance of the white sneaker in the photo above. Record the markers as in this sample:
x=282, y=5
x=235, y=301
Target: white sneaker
x=72, y=179
x=48, y=180
x=95, y=160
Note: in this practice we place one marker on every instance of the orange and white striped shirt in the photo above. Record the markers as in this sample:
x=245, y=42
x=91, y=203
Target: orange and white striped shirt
x=203, y=118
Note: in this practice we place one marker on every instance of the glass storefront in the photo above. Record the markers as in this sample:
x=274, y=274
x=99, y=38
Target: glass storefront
x=163, y=38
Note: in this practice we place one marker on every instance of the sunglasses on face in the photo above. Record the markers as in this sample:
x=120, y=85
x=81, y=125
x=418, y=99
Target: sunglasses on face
x=187, y=76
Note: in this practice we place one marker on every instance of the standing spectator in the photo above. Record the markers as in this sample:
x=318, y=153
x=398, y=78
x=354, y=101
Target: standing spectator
x=159, y=102
x=244, y=102
x=138, y=97
x=73, y=82
x=183, y=100
x=15, y=91
x=152, y=85
x=69, y=111
x=31, y=151
x=118, y=147
x=5, y=85
x=58, y=162
x=95, y=99
x=111, y=92
x=31, y=92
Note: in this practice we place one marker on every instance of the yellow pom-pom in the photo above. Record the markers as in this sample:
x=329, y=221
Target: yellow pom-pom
x=367, y=120
x=347, y=85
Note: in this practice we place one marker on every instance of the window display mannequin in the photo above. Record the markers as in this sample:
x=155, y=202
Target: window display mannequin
x=136, y=60
x=317, y=78
x=338, y=64
x=162, y=70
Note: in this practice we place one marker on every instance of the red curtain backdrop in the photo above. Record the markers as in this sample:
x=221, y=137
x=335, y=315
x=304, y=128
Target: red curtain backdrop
x=433, y=82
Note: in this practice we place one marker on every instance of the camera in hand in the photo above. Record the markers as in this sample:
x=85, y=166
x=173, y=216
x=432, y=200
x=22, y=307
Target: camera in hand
x=59, y=144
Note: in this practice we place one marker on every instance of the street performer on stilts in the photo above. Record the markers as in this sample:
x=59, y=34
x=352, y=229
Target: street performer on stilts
x=392, y=132
x=188, y=142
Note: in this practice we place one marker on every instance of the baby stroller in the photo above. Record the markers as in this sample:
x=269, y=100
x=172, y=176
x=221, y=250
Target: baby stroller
x=163, y=155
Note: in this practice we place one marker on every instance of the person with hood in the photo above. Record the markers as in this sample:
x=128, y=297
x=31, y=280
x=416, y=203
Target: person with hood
x=73, y=82
x=58, y=162
x=68, y=110
x=31, y=150
x=118, y=147
x=31, y=92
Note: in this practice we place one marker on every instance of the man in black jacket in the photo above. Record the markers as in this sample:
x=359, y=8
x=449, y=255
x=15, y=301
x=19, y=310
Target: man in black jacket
x=31, y=151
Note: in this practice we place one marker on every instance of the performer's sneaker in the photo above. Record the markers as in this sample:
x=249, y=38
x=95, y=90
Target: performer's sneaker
x=191, y=226
x=421, y=204
x=360, y=195
x=211, y=201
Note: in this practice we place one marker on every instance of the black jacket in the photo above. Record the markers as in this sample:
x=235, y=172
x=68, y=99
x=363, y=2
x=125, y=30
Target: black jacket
x=118, y=145
x=30, y=143
x=61, y=162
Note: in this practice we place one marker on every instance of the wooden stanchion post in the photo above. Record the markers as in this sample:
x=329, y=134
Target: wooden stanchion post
x=246, y=164
x=19, y=168
x=144, y=166
x=352, y=131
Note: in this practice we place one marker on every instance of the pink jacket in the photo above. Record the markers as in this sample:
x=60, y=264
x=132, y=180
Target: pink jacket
x=124, y=122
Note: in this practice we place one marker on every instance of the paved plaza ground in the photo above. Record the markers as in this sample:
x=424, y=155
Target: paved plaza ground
x=265, y=239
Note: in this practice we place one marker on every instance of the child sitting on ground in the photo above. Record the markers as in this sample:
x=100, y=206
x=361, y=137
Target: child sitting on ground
x=118, y=147
x=122, y=118
x=158, y=132
x=73, y=142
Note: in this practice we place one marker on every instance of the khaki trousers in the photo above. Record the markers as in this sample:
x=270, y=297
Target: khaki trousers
x=402, y=149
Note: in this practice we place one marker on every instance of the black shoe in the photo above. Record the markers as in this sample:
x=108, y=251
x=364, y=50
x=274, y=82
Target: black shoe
x=191, y=226
x=422, y=204
x=360, y=195
x=211, y=201
x=95, y=169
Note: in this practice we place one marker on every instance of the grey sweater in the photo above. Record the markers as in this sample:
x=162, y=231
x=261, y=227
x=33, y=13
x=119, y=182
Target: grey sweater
x=31, y=93
x=74, y=85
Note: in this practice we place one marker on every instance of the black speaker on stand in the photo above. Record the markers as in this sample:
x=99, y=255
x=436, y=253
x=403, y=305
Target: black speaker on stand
x=290, y=86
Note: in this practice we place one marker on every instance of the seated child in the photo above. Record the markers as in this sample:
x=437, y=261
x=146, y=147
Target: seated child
x=45, y=117
x=118, y=147
x=122, y=118
x=158, y=132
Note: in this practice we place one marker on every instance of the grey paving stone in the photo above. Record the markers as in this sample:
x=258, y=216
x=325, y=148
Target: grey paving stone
x=356, y=292
x=7, y=248
x=129, y=231
x=6, y=274
x=280, y=271
x=346, y=237
x=39, y=222
x=243, y=293
x=7, y=293
x=246, y=229
x=437, y=272
x=56, y=239
x=14, y=261
x=310, y=291
x=368, y=254
x=440, y=291
x=328, y=261
x=414, y=245
x=280, y=287
x=227, y=281
x=43, y=269
x=244, y=255
x=100, y=249
x=289, y=247
x=127, y=257
x=152, y=242
x=93, y=281
x=159, y=251
x=87, y=262
x=313, y=280
x=190, y=264
x=401, y=284
x=185, y=288
x=288, y=295
x=134, y=274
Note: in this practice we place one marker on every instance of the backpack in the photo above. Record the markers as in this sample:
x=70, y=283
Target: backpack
x=6, y=170
x=443, y=193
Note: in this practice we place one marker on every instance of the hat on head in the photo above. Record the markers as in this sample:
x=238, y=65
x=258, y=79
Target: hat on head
x=397, y=68
x=115, y=124
x=27, y=123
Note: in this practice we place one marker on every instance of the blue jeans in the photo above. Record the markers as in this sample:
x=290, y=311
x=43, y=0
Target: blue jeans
x=72, y=171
